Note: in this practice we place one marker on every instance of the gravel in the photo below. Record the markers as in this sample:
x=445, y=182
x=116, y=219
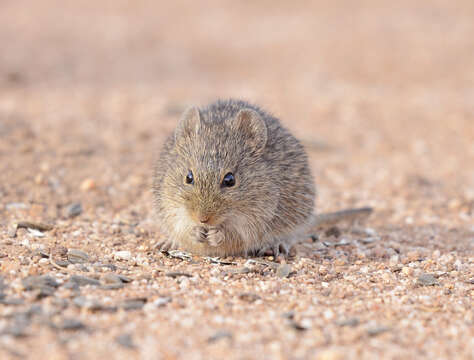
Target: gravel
x=383, y=105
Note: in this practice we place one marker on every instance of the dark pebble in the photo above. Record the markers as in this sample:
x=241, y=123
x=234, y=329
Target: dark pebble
x=242, y=270
x=34, y=225
x=112, y=286
x=352, y=322
x=12, y=301
x=76, y=256
x=83, y=302
x=112, y=279
x=62, y=263
x=84, y=280
x=177, y=274
x=377, y=330
x=71, y=285
x=44, y=291
x=427, y=280
x=111, y=267
x=126, y=341
x=133, y=304
x=219, y=335
x=71, y=325
x=290, y=315
x=41, y=281
x=73, y=210
x=18, y=329
x=249, y=297
x=297, y=326
x=125, y=279
x=92, y=304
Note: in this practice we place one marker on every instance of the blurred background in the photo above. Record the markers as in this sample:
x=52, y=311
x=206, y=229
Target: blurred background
x=380, y=92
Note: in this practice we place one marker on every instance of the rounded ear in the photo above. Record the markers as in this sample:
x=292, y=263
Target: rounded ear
x=251, y=124
x=188, y=124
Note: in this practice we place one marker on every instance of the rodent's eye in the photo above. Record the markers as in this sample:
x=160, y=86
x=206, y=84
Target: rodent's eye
x=190, y=178
x=229, y=180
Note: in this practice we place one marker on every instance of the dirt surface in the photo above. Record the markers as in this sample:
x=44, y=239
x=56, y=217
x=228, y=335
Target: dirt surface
x=380, y=92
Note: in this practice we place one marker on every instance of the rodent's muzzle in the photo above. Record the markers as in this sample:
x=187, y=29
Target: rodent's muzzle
x=205, y=207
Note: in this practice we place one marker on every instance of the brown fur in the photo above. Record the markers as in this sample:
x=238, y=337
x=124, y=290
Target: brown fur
x=269, y=207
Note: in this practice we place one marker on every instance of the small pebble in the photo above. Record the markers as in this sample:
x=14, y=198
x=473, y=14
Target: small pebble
x=427, y=280
x=283, y=271
x=88, y=184
x=35, y=233
x=115, y=286
x=330, y=354
x=352, y=322
x=17, y=206
x=219, y=335
x=161, y=301
x=249, y=297
x=125, y=340
x=76, y=256
x=35, y=282
x=91, y=304
x=84, y=280
x=176, y=274
x=73, y=210
x=43, y=262
x=133, y=304
x=12, y=230
x=122, y=255
x=377, y=330
x=71, y=325
x=111, y=278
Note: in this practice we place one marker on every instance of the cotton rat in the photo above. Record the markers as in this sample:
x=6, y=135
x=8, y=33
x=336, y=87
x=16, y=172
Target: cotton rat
x=232, y=180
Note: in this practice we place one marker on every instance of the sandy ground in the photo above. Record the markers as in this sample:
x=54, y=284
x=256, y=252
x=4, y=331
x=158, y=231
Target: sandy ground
x=380, y=92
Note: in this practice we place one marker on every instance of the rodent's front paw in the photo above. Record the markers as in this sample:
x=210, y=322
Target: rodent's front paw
x=215, y=237
x=199, y=233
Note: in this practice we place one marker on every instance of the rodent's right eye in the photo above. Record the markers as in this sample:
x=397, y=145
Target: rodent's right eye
x=190, y=178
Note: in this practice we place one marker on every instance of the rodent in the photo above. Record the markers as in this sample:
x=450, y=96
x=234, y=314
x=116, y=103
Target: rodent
x=232, y=180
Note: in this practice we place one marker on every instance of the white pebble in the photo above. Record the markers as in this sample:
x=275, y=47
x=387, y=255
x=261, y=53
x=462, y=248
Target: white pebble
x=43, y=262
x=122, y=255
x=328, y=314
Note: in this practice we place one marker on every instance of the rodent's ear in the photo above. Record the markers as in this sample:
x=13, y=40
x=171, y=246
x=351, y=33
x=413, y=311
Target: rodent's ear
x=250, y=123
x=188, y=124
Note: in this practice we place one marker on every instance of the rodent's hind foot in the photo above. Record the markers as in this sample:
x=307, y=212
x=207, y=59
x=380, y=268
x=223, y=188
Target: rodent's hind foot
x=275, y=249
x=165, y=245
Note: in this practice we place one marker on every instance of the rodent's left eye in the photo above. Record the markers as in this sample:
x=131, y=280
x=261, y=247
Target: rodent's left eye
x=229, y=180
x=190, y=178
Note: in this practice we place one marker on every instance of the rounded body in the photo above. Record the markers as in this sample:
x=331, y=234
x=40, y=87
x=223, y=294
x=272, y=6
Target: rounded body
x=232, y=180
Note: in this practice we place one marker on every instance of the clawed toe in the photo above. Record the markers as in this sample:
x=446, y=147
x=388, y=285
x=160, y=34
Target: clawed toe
x=164, y=246
x=276, y=250
x=215, y=237
x=200, y=233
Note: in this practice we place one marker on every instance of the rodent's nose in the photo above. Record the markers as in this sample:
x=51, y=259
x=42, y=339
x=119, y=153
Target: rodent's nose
x=203, y=218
